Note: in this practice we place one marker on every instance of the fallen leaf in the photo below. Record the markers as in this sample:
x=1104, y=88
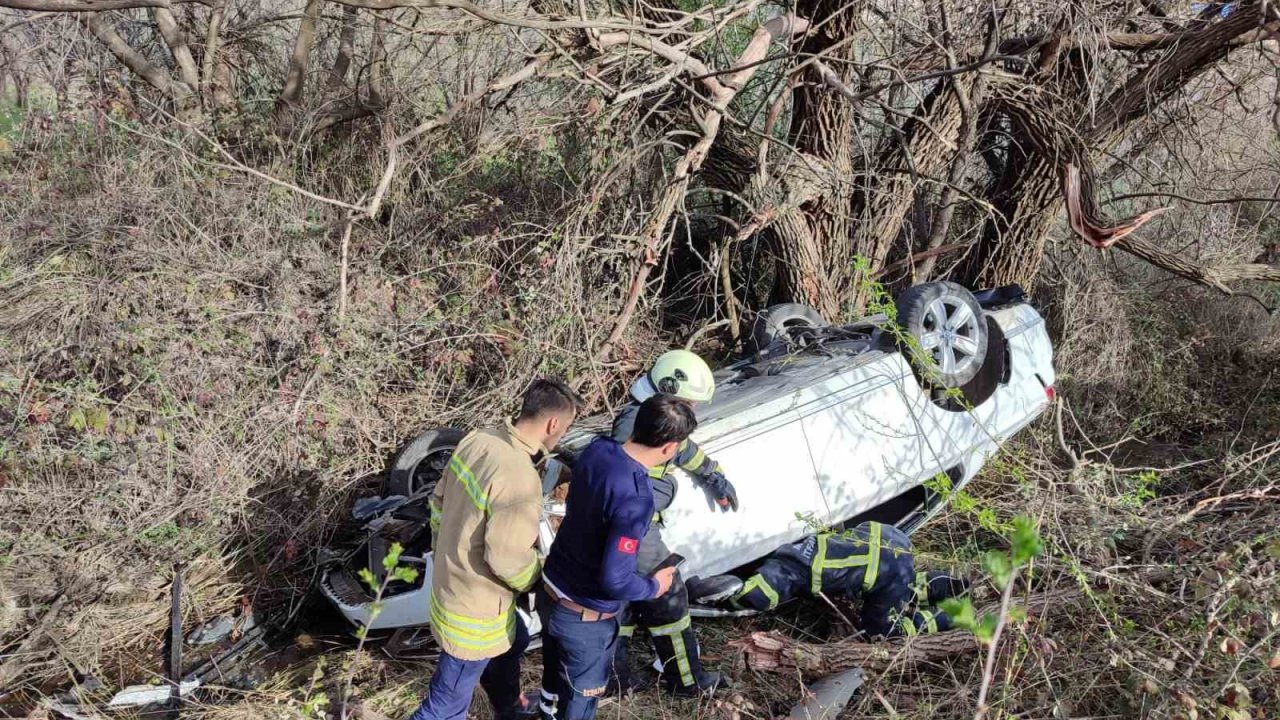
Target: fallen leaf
x=1236, y=696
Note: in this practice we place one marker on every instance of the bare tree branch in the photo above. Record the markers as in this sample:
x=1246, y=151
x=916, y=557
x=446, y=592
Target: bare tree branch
x=100, y=26
x=208, y=63
x=722, y=93
x=291, y=95
x=176, y=40
x=92, y=5
x=1216, y=277
x=444, y=118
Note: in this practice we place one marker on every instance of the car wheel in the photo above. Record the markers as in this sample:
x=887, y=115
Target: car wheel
x=946, y=333
x=421, y=462
x=775, y=322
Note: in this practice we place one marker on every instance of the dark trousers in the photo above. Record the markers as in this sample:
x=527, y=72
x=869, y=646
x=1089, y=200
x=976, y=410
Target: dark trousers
x=454, y=682
x=666, y=618
x=886, y=606
x=576, y=656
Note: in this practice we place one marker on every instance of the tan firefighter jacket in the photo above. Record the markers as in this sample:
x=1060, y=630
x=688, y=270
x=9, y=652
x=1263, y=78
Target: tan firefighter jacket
x=484, y=520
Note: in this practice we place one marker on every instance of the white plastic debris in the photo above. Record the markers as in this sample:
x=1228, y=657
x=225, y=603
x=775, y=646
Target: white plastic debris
x=139, y=695
x=221, y=627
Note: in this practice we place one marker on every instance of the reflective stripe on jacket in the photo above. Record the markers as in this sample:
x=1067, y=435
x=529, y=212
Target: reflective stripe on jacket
x=485, y=514
x=843, y=562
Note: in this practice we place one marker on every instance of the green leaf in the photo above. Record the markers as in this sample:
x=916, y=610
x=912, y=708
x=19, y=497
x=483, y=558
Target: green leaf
x=405, y=574
x=960, y=611
x=366, y=576
x=1025, y=540
x=392, y=558
x=999, y=567
x=76, y=421
x=986, y=630
x=98, y=419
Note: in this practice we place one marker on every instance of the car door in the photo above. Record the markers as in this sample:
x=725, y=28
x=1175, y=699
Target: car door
x=862, y=420
x=753, y=431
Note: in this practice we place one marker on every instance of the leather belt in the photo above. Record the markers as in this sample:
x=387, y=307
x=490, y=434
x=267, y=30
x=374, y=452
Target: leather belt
x=586, y=613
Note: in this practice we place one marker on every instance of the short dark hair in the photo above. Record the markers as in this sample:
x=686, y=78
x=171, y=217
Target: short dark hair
x=547, y=396
x=663, y=419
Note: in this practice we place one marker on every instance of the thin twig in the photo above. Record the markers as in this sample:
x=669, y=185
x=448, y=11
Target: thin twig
x=989, y=667
x=342, y=273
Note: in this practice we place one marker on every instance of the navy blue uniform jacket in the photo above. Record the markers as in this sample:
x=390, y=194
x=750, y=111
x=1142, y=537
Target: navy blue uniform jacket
x=610, y=505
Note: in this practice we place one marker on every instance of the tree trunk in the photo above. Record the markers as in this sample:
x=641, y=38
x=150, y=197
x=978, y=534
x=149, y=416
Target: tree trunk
x=906, y=168
x=1011, y=247
x=346, y=48
x=774, y=652
x=1028, y=197
x=822, y=125
x=378, y=63
x=209, y=62
x=176, y=41
x=296, y=77
x=12, y=69
x=802, y=275
x=223, y=97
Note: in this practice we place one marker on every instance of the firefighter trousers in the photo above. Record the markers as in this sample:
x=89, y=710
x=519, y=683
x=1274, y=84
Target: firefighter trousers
x=872, y=561
x=667, y=620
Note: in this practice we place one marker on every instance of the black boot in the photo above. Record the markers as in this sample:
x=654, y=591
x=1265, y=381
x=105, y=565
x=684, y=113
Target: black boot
x=713, y=590
x=682, y=673
x=943, y=585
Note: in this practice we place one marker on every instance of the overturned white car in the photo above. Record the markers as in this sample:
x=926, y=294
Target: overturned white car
x=819, y=424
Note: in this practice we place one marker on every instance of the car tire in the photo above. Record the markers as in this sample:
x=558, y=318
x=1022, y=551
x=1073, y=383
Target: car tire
x=774, y=322
x=420, y=463
x=945, y=333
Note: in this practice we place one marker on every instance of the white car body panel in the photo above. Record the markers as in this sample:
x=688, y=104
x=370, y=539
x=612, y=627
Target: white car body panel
x=843, y=437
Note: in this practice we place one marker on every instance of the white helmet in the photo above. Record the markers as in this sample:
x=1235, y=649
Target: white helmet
x=683, y=374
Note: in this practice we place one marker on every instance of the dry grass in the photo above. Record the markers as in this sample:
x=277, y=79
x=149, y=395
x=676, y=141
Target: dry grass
x=174, y=387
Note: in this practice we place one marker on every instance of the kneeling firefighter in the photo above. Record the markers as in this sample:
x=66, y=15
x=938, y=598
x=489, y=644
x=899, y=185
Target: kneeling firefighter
x=685, y=375
x=871, y=560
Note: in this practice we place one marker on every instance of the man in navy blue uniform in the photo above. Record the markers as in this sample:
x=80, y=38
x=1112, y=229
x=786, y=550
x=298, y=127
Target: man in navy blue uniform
x=590, y=573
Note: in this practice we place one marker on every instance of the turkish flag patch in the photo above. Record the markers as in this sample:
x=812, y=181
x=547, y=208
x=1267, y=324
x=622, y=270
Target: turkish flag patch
x=628, y=545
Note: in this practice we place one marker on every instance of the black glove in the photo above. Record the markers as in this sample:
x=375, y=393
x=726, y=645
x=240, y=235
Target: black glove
x=723, y=492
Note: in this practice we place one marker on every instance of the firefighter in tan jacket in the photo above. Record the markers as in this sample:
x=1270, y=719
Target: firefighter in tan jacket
x=484, y=521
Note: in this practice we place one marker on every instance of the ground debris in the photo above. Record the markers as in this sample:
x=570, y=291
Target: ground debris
x=825, y=698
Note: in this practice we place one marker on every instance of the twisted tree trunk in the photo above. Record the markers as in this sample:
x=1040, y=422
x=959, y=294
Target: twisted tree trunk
x=774, y=652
